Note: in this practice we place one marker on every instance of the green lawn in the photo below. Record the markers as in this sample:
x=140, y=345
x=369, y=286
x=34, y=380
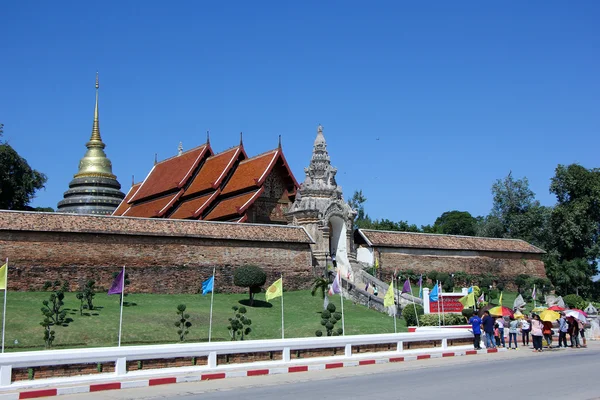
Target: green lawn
x=150, y=318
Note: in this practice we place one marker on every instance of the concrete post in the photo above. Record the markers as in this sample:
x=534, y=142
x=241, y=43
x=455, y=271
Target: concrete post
x=5, y=375
x=286, y=354
x=348, y=350
x=121, y=366
x=400, y=347
x=426, y=300
x=444, y=343
x=212, y=359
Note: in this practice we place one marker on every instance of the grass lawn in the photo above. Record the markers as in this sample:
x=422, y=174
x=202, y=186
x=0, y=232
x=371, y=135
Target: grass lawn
x=150, y=319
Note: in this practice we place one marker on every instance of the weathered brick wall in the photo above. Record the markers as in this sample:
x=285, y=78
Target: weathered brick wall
x=168, y=263
x=504, y=265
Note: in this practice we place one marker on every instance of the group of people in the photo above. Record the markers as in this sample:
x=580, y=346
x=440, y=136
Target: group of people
x=493, y=331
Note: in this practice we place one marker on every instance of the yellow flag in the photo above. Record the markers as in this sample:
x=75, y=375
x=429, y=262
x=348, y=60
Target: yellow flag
x=388, y=300
x=468, y=300
x=500, y=300
x=376, y=262
x=275, y=290
x=3, y=276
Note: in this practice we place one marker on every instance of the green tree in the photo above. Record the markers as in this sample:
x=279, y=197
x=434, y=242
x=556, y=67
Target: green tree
x=87, y=294
x=239, y=325
x=329, y=318
x=523, y=281
x=357, y=203
x=183, y=323
x=53, y=307
x=18, y=181
x=251, y=277
x=455, y=223
x=575, y=220
x=320, y=285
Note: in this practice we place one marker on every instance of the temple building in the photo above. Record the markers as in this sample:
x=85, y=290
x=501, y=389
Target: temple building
x=94, y=188
x=228, y=186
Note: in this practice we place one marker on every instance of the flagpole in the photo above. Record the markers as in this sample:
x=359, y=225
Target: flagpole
x=4, y=313
x=342, y=301
x=121, y=313
x=414, y=304
x=282, y=325
x=440, y=291
x=212, y=296
x=438, y=304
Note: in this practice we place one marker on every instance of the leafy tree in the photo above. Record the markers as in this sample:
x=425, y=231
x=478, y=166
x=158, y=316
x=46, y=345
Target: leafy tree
x=239, y=325
x=183, y=323
x=329, y=318
x=408, y=313
x=49, y=333
x=53, y=307
x=357, y=203
x=575, y=301
x=252, y=277
x=87, y=295
x=18, y=181
x=575, y=222
x=523, y=282
x=320, y=285
x=455, y=223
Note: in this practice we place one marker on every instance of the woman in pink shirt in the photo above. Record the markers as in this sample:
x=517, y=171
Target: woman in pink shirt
x=537, y=332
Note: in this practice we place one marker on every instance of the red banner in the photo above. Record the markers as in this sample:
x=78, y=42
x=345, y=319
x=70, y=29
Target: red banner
x=446, y=304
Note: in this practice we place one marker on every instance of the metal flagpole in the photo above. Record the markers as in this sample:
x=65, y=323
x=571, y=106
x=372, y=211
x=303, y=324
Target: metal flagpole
x=395, y=292
x=4, y=313
x=442, y=302
x=342, y=300
x=212, y=296
x=122, y=297
x=414, y=304
x=282, y=325
x=438, y=304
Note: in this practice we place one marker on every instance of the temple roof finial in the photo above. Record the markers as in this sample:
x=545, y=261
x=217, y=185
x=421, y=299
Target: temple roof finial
x=180, y=149
x=241, y=139
x=155, y=158
x=207, y=137
x=132, y=180
x=279, y=142
x=96, y=126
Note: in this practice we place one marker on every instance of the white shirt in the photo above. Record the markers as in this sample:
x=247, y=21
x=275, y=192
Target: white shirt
x=500, y=322
x=524, y=324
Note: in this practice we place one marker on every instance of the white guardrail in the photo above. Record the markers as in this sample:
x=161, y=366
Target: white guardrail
x=120, y=355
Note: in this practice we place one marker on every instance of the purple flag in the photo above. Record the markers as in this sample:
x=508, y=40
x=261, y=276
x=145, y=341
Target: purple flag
x=406, y=287
x=117, y=285
x=336, y=286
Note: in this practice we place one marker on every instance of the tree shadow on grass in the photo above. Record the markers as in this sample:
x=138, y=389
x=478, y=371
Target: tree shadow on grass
x=256, y=304
x=129, y=304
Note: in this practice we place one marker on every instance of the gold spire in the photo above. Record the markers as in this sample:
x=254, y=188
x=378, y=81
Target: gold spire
x=95, y=163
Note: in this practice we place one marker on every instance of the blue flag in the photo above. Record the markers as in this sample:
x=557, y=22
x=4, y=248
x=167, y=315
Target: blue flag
x=433, y=295
x=208, y=285
x=420, y=283
x=470, y=289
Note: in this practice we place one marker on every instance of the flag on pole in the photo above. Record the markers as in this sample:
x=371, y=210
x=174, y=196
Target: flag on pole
x=470, y=289
x=208, y=285
x=406, y=288
x=468, y=300
x=117, y=285
x=481, y=298
x=3, y=276
x=500, y=299
x=275, y=290
x=376, y=262
x=433, y=295
x=420, y=286
x=336, y=286
x=534, y=293
x=388, y=300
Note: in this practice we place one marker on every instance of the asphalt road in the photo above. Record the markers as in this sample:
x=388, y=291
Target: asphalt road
x=557, y=374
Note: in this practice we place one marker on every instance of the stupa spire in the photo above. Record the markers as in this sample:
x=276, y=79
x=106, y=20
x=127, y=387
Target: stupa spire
x=96, y=126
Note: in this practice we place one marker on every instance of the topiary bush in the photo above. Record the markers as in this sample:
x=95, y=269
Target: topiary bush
x=252, y=277
x=408, y=313
x=183, y=323
x=467, y=313
x=575, y=301
x=329, y=318
x=239, y=325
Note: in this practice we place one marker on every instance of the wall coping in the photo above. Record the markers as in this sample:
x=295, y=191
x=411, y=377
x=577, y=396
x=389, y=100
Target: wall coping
x=100, y=224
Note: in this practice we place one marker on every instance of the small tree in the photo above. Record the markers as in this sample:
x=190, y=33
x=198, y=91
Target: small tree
x=87, y=295
x=320, y=285
x=239, y=325
x=252, y=277
x=183, y=324
x=48, y=332
x=329, y=318
x=523, y=282
x=53, y=307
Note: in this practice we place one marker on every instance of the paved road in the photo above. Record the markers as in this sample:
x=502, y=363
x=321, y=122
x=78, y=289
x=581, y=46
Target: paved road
x=558, y=374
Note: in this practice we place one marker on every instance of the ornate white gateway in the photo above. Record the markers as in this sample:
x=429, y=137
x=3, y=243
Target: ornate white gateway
x=320, y=208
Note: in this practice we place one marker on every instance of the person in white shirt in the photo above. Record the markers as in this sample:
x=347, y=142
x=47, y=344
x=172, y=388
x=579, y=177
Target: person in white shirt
x=500, y=322
x=525, y=329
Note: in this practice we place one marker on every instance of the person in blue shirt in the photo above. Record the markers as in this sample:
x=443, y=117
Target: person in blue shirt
x=475, y=322
x=488, y=327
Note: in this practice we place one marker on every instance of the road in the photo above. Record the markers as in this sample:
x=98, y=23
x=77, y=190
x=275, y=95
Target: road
x=557, y=374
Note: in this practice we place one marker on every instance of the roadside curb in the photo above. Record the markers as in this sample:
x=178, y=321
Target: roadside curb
x=127, y=383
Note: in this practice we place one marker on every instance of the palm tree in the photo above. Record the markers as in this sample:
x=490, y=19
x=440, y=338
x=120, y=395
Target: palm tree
x=320, y=284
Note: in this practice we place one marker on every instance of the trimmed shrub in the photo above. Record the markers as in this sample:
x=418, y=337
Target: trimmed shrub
x=408, y=313
x=575, y=301
x=250, y=276
x=448, y=319
x=467, y=313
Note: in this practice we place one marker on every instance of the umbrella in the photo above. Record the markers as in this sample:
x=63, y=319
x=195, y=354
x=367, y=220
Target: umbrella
x=539, y=309
x=556, y=308
x=501, y=311
x=579, y=311
x=577, y=315
x=519, y=315
x=549, y=315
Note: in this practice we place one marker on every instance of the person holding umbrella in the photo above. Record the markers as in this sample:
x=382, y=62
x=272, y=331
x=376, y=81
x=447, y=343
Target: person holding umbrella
x=536, y=333
x=563, y=328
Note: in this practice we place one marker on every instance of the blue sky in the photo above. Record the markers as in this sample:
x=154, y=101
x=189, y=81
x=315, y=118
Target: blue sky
x=423, y=104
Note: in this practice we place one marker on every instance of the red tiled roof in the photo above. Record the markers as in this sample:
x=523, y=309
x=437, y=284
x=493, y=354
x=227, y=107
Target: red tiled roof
x=214, y=170
x=233, y=206
x=153, y=208
x=252, y=172
x=193, y=208
x=171, y=173
x=445, y=242
x=124, y=204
